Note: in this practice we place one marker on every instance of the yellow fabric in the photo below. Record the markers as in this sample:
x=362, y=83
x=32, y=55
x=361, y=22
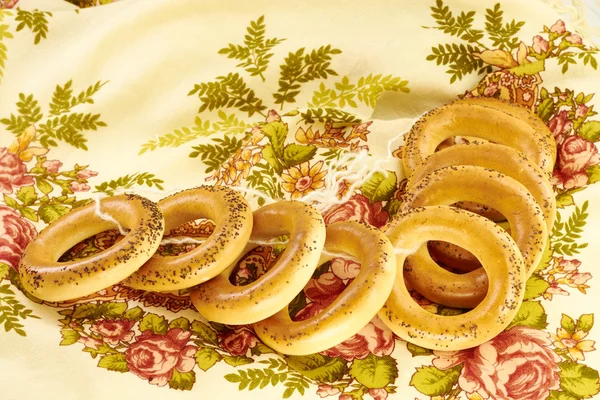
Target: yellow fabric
x=148, y=55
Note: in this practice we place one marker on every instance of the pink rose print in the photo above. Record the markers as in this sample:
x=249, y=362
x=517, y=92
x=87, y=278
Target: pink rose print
x=327, y=390
x=558, y=27
x=378, y=394
x=322, y=292
x=374, y=338
x=8, y=3
x=568, y=265
x=52, y=166
x=154, y=357
x=12, y=172
x=575, y=154
x=237, y=343
x=358, y=208
x=581, y=111
x=490, y=89
x=560, y=125
x=78, y=187
x=272, y=116
x=540, y=45
x=15, y=234
x=90, y=342
x=575, y=39
x=86, y=174
x=310, y=310
x=517, y=364
x=325, y=288
x=113, y=331
x=345, y=269
x=346, y=397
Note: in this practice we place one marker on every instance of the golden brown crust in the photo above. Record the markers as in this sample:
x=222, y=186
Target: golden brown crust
x=47, y=279
x=232, y=216
x=500, y=257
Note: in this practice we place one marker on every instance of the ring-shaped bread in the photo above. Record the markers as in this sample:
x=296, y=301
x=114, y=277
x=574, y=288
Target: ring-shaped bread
x=220, y=301
x=500, y=158
x=232, y=217
x=47, y=279
x=449, y=185
x=495, y=124
x=501, y=260
x=353, y=308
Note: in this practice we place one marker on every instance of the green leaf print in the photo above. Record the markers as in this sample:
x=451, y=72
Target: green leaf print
x=536, y=286
x=205, y=333
x=416, y=351
x=556, y=395
x=51, y=212
x=228, y=124
x=228, y=91
x=502, y=36
x=593, y=174
x=435, y=382
x=113, y=309
x=4, y=34
x=214, y=155
x=301, y=67
x=236, y=361
x=294, y=154
x=182, y=380
x=585, y=322
x=255, y=53
x=34, y=20
x=206, y=358
x=62, y=124
x=379, y=187
x=366, y=90
x=134, y=314
x=129, y=181
x=86, y=311
x=578, y=379
x=181, y=323
x=531, y=314
x=69, y=336
x=114, y=362
x=374, y=372
x=318, y=367
x=590, y=130
x=11, y=310
x=567, y=323
x=565, y=234
x=154, y=323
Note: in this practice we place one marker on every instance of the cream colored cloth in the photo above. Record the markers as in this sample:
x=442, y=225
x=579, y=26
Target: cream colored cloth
x=138, y=128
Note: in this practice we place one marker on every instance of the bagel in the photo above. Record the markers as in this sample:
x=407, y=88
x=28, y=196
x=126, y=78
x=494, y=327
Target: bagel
x=501, y=260
x=356, y=305
x=220, y=301
x=449, y=185
x=47, y=279
x=478, y=118
x=500, y=158
x=232, y=216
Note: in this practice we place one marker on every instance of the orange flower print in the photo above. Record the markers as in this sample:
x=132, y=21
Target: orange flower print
x=303, y=179
x=573, y=343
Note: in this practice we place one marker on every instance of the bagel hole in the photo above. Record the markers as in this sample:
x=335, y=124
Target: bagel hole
x=454, y=140
x=257, y=262
x=433, y=307
x=182, y=239
x=451, y=257
x=327, y=283
x=91, y=245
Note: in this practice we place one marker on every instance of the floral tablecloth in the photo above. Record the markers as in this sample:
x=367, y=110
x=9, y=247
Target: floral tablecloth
x=153, y=96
